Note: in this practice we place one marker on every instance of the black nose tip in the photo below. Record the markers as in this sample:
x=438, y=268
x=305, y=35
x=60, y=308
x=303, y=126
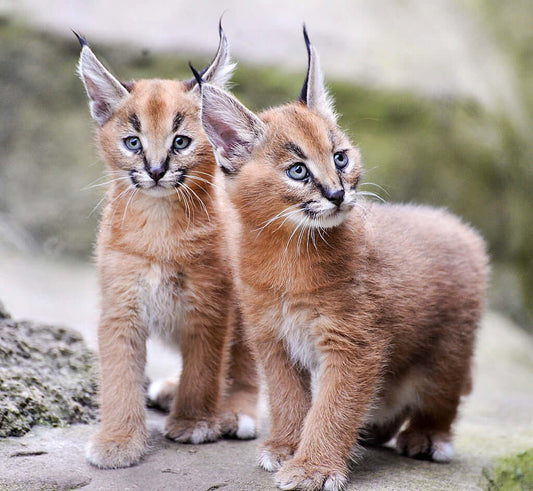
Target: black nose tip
x=156, y=173
x=335, y=196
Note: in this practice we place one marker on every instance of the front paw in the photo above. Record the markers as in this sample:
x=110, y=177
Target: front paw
x=111, y=451
x=272, y=456
x=296, y=474
x=191, y=430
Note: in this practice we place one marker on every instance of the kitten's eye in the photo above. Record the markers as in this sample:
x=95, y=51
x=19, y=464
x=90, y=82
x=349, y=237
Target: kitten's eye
x=181, y=142
x=298, y=172
x=133, y=143
x=341, y=160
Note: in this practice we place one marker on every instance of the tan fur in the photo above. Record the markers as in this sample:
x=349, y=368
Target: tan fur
x=363, y=325
x=163, y=271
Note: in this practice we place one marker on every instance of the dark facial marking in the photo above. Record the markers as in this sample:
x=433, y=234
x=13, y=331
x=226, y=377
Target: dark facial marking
x=296, y=150
x=134, y=121
x=178, y=119
x=133, y=179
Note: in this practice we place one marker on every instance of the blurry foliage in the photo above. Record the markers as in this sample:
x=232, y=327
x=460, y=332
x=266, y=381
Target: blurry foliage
x=451, y=153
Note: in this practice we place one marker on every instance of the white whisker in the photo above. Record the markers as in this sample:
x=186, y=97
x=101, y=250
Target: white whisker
x=135, y=190
x=300, y=224
x=92, y=185
x=185, y=201
x=198, y=198
x=197, y=178
x=129, y=188
x=320, y=230
x=373, y=195
x=285, y=213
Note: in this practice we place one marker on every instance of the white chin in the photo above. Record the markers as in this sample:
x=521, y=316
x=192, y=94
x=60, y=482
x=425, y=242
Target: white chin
x=158, y=191
x=330, y=221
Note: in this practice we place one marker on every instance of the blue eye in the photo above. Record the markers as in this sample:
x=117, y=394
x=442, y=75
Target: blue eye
x=133, y=143
x=341, y=160
x=181, y=142
x=298, y=172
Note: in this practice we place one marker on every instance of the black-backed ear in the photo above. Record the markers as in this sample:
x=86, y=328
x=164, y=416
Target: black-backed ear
x=232, y=129
x=104, y=90
x=314, y=93
x=220, y=70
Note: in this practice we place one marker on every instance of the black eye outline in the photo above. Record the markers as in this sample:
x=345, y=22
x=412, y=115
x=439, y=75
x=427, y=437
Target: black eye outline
x=130, y=145
x=344, y=162
x=186, y=141
x=295, y=176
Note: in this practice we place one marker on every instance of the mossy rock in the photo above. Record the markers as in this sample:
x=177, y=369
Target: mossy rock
x=47, y=377
x=510, y=473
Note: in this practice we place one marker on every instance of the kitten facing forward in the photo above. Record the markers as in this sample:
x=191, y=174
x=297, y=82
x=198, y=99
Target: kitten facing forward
x=364, y=313
x=162, y=266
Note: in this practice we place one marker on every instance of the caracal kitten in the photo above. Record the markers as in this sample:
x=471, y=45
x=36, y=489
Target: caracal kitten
x=364, y=314
x=162, y=267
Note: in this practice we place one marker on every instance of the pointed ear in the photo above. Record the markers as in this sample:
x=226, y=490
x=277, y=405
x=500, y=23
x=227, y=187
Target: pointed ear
x=232, y=129
x=314, y=93
x=220, y=70
x=104, y=90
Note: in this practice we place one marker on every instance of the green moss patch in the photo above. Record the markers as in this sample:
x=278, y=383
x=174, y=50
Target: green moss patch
x=510, y=473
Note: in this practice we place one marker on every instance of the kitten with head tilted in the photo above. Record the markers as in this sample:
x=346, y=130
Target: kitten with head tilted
x=163, y=268
x=364, y=314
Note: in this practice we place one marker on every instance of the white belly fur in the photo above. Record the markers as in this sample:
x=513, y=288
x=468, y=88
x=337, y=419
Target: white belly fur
x=163, y=305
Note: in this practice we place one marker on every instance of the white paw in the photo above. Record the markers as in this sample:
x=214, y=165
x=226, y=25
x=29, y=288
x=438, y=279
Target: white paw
x=203, y=432
x=161, y=392
x=442, y=451
x=268, y=461
x=246, y=427
x=309, y=477
x=107, y=452
x=155, y=388
x=335, y=482
x=192, y=430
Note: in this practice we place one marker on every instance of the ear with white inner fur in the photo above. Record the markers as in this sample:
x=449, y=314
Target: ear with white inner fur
x=220, y=70
x=232, y=129
x=104, y=90
x=314, y=93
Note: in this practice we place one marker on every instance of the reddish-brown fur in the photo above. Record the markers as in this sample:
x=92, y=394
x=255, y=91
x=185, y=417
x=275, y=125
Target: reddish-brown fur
x=362, y=326
x=163, y=270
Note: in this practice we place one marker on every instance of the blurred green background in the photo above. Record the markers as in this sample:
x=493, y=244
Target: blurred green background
x=447, y=151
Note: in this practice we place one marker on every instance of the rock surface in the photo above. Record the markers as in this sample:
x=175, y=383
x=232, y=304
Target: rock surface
x=47, y=376
x=495, y=422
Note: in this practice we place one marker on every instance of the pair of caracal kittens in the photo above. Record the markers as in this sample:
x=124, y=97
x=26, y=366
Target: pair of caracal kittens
x=361, y=315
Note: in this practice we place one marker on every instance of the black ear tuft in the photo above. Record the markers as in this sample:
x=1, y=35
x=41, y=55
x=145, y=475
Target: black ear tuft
x=83, y=42
x=197, y=76
x=303, y=92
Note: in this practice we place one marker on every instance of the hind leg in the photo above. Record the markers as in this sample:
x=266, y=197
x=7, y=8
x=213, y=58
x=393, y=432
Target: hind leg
x=428, y=436
x=376, y=434
x=161, y=393
x=447, y=378
x=239, y=406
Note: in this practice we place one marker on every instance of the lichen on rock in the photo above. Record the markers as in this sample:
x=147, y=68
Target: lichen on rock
x=513, y=473
x=47, y=376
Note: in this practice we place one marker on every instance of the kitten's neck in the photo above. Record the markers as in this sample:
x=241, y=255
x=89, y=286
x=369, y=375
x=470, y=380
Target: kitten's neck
x=298, y=261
